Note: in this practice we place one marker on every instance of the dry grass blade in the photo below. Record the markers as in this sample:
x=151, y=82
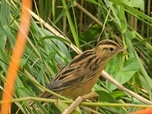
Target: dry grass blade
x=78, y=101
x=131, y=93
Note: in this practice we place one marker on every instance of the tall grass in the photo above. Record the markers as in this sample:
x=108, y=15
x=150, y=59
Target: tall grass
x=82, y=23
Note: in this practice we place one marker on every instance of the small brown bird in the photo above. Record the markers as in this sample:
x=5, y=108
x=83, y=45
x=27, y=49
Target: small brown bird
x=79, y=76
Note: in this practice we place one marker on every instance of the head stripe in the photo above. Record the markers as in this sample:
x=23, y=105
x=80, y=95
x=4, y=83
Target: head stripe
x=107, y=42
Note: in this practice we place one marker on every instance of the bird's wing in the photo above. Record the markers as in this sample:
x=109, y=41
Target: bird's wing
x=76, y=72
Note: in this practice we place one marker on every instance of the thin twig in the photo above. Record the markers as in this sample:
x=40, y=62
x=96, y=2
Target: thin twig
x=78, y=101
x=116, y=83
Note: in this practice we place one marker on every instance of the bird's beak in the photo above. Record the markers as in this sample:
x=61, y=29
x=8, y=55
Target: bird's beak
x=122, y=49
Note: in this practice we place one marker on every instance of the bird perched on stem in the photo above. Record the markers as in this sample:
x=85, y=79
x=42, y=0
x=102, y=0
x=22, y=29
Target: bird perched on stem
x=79, y=76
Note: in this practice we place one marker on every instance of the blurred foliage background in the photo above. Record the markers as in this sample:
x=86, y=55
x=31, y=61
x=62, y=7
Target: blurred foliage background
x=82, y=23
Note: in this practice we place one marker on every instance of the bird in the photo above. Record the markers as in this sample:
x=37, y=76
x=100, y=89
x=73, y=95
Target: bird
x=79, y=76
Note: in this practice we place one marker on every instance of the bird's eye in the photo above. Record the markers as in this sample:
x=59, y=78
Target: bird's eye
x=111, y=49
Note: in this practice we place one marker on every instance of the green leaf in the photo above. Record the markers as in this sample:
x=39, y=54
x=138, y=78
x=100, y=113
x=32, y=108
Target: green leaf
x=135, y=3
x=122, y=19
x=141, y=16
x=4, y=61
x=130, y=34
x=91, y=33
x=125, y=74
x=4, y=18
x=118, y=94
x=114, y=65
x=71, y=24
x=105, y=97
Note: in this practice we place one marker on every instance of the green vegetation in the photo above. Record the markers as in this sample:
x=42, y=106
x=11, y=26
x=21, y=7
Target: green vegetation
x=68, y=27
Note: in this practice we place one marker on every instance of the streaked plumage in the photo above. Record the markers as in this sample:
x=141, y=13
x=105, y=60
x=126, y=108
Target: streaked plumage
x=79, y=76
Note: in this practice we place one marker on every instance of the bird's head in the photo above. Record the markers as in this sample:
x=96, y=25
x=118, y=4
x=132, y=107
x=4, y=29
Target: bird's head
x=107, y=49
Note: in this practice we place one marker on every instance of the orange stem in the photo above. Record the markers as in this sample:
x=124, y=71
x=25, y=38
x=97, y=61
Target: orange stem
x=16, y=56
x=143, y=111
